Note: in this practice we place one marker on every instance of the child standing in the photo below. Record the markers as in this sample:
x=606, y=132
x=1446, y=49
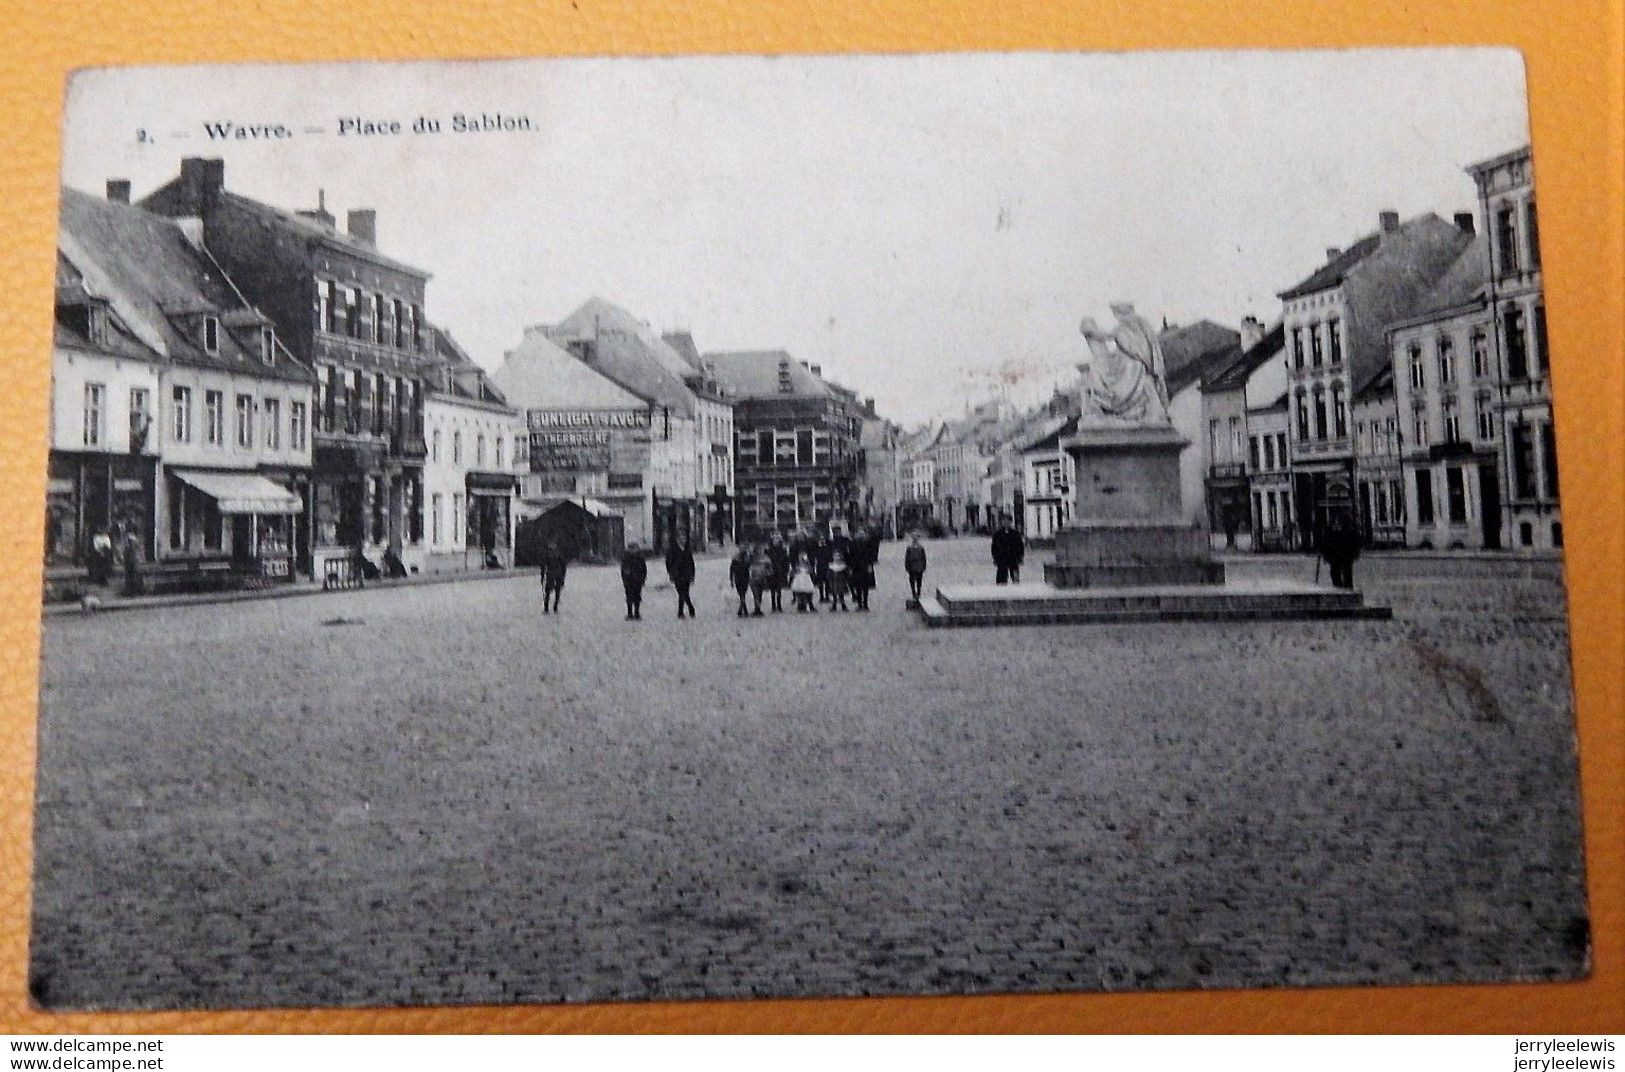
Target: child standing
x=837, y=581
x=739, y=574
x=802, y=588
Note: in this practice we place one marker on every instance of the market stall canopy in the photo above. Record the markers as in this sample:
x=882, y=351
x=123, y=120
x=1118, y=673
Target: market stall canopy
x=241, y=493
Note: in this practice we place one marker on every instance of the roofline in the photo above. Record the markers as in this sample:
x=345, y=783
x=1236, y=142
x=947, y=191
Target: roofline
x=476, y=403
x=1476, y=305
x=1475, y=170
x=333, y=239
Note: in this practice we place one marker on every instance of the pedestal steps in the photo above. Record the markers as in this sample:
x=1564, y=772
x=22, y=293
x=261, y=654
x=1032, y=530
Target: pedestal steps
x=965, y=605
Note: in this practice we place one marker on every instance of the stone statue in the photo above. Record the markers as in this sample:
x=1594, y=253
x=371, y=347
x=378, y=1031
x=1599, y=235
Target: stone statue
x=1124, y=380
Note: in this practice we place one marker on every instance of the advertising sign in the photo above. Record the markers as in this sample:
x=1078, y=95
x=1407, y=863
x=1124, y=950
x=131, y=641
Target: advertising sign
x=583, y=440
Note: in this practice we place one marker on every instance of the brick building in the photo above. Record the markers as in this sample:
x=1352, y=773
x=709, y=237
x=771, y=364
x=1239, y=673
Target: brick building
x=795, y=459
x=356, y=316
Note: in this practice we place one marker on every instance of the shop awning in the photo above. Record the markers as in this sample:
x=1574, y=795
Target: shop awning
x=241, y=493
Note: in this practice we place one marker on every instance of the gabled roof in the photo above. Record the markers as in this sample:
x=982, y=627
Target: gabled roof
x=1279, y=405
x=1335, y=270
x=158, y=287
x=1465, y=282
x=1192, y=351
x=464, y=379
x=682, y=343
x=755, y=374
x=626, y=350
x=1233, y=376
x=538, y=374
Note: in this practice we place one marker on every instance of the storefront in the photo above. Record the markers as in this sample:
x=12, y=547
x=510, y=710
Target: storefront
x=91, y=493
x=241, y=519
x=490, y=512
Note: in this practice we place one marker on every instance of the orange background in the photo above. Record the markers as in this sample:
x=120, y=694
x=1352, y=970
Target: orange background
x=1574, y=55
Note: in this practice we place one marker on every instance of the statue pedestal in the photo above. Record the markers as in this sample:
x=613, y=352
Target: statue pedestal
x=1128, y=526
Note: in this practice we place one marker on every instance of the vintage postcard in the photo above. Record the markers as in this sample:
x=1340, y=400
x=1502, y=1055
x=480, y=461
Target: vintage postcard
x=641, y=529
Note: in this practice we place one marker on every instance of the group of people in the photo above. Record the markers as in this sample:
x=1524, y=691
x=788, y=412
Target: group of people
x=812, y=567
x=809, y=566
x=116, y=554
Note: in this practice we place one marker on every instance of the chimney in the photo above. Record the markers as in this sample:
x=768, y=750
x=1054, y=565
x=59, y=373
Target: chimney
x=1332, y=253
x=202, y=179
x=118, y=191
x=1252, y=330
x=1464, y=222
x=363, y=225
x=319, y=213
x=1389, y=219
x=869, y=407
x=816, y=370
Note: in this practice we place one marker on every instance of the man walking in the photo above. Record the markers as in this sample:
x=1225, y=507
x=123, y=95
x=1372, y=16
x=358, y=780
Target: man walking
x=554, y=562
x=914, y=566
x=680, y=568
x=634, y=572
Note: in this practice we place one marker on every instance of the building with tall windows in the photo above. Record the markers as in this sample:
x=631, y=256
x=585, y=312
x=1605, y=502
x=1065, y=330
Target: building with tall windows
x=178, y=413
x=478, y=448
x=796, y=451
x=1230, y=445
x=1334, y=321
x=1522, y=399
x=355, y=315
x=1446, y=382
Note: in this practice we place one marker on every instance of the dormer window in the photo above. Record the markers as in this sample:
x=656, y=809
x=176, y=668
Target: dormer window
x=268, y=345
x=211, y=334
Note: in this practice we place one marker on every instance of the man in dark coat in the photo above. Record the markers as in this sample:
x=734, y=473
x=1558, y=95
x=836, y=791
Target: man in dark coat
x=554, y=563
x=1340, y=546
x=820, y=555
x=914, y=566
x=680, y=568
x=865, y=553
x=634, y=572
x=1008, y=551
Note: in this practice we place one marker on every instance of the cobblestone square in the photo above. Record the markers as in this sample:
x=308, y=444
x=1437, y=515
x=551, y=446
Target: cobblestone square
x=436, y=795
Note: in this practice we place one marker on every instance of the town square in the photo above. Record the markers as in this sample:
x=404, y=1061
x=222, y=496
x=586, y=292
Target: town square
x=818, y=542
x=578, y=808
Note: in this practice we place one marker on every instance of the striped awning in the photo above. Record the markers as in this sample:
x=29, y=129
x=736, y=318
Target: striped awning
x=241, y=493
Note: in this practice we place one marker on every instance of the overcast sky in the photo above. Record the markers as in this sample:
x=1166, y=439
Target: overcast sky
x=902, y=221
